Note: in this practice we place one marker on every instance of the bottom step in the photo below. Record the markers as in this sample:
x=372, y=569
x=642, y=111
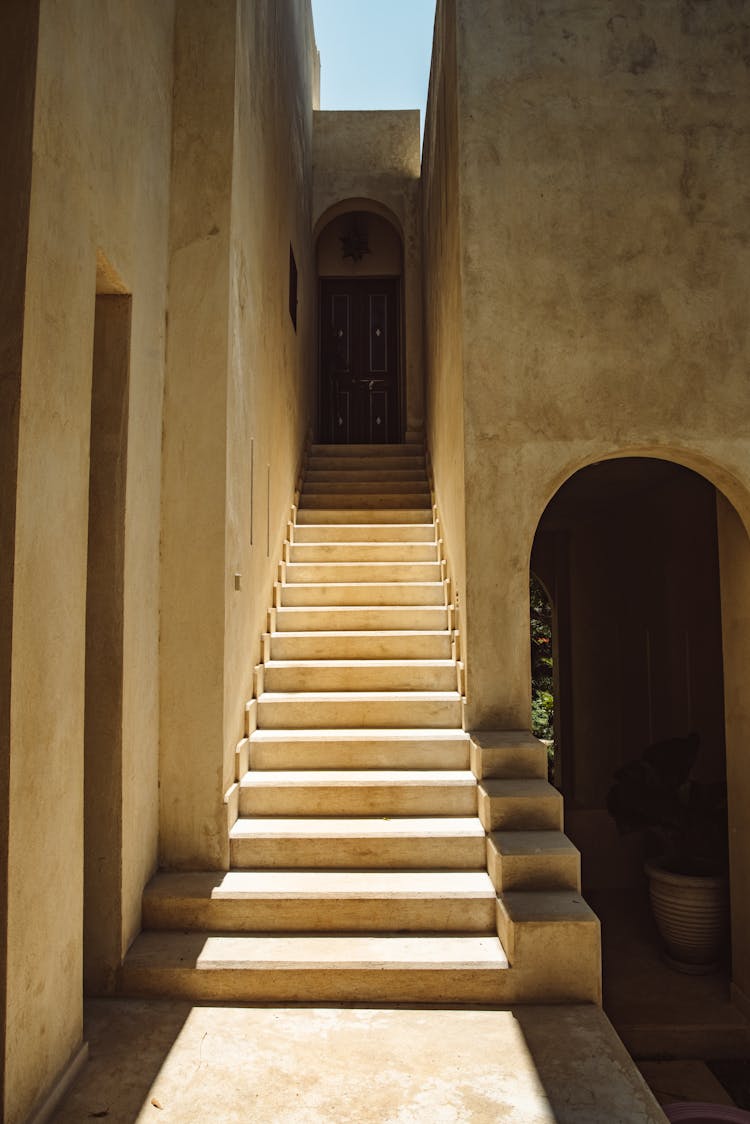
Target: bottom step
x=388, y=969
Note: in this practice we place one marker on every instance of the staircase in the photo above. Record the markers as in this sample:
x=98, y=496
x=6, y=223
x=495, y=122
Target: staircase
x=380, y=853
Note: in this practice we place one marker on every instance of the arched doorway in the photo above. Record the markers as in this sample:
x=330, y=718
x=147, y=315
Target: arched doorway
x=360, y=355
x=648, y=569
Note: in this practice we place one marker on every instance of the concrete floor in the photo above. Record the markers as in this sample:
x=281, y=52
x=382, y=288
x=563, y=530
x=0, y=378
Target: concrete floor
x=170, y=1061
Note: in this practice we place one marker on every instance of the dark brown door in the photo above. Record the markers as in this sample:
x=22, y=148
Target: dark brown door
x=359, y=361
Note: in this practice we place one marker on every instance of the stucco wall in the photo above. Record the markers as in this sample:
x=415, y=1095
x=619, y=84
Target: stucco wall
x=238, y=388
x=372, y=157
x=444, y=385
x=100, y=180
x=605, y=236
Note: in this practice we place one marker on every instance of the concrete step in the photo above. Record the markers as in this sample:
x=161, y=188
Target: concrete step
x=363, y=552
x=520, y=805
x=362, y=593
x=369, y=531
x=359, y=675
x=354, y=618
x=393, y=571
x=380, y=792
x=368, y=843
x=359, y=749
x=533, y=860
x=361, y=514
x=373, y=450
x=555, y=938
x=347, y=502
x=348, y=709
x=423, y=645
x=367, y=464
x=508, y=755
x=393, y=484
x=385, y=968
x=321, y=900
x=364, y=476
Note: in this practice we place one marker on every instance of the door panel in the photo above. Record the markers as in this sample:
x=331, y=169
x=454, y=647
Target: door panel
x=359, y=361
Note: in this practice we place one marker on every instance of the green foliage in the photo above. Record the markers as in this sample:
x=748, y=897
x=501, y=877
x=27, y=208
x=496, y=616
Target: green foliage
x=542, y=698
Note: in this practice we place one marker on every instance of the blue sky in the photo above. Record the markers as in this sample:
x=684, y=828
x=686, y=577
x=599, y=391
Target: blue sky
x=374, y=54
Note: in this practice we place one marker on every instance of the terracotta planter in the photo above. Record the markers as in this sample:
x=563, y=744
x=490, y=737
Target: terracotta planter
x=692, y=916
x=705, y=1113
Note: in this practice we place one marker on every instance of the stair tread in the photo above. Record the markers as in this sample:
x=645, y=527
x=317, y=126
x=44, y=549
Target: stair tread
x=306, y=951
x=534, y=788
x=357, y=634
x=352, y=827
x=532, y=843
x=546, y=906
x=362, y=777
x=361, y=734
x=358, y=664
x=321, y=883
x=359, y=696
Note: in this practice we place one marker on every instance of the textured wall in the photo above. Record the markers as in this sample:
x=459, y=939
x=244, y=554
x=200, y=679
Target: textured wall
x=100, y=181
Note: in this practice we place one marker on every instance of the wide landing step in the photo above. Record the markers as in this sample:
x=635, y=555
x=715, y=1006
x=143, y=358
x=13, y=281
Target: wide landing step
x=385, y=968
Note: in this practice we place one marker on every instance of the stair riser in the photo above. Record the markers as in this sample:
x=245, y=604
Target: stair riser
x=534, y=872
x=365, y=533
x=352, y=678
x=429, y=618
x=408, y=853
x=363, y=572
x=526, y=763
x=363, y=503
x=370, y=800
x=332, y=756
x=367, y=449
x=334, y=485
x=429, y=593
x=363, y=477
x=518, y=814
x=311, y=553
x=290, y=714
x=389, y=914
x=344, y=985
x=365, y=516
x=330, y=646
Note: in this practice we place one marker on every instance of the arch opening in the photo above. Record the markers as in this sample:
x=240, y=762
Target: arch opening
x=360, y=264
x=647, y=566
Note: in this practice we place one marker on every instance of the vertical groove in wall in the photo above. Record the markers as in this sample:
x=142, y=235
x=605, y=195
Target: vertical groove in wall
x=252, y=487
x=268, y=511
x=19, y=31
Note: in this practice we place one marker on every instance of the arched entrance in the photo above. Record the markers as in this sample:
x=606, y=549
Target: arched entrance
x=360, y=385
x=648, y=569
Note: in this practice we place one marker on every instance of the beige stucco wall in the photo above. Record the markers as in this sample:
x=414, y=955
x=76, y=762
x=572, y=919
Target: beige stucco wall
x=370, y=160
x=238, y=387
x=444, y=386
x=605, y=257
x=100, y=180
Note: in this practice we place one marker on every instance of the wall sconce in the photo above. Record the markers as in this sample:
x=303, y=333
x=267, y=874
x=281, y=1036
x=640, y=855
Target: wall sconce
x=354, y=240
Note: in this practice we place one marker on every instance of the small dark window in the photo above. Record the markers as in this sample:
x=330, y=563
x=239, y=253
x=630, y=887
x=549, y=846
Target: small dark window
x=292, y=287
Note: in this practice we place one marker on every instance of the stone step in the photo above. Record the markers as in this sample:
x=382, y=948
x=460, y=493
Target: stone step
x=533, y=860
x=374, y=449
x=365, y=516
x=359, y=675
x=393, y=571
x=508, y=755
x=347, y=502
x=364, y=476
x=362, y=593
x=321, y=900
x=555, y=937
x=316, y=709
x=354, y=618
x=520, y=805
x=405, y=645
x=367, y=464
x=373, y=843
x=381, y=792
x=354, y=968
x=363, y=552
x=392, y=485
x=359, y=749
x=312, y=531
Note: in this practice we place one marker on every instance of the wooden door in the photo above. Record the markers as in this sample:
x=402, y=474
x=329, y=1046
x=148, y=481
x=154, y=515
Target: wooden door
x=359, y=361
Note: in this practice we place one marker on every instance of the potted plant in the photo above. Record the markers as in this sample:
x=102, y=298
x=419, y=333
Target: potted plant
x=684, y=823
